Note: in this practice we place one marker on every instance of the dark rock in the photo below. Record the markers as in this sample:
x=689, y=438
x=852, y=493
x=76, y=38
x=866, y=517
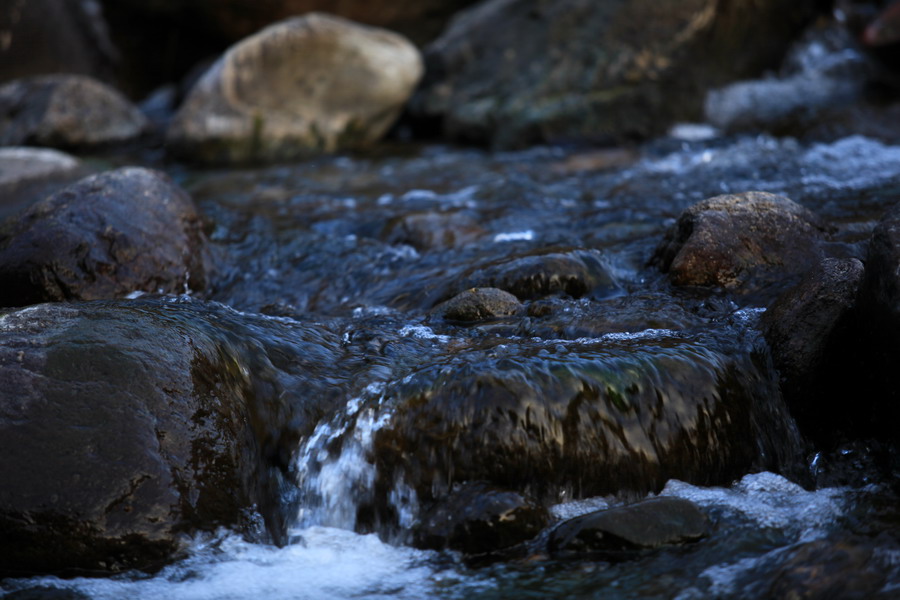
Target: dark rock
x=616, y=531
x=588, y=417
x=66, y=111
x=576, y=273
x=433, y=231
x=123, y=430
x=744, y=242
x=39, y=37
x=252, y=105
x=31, y=174
x=829, y=568
x=479, y=304
x=104, y=237
x=478, y=518
x=806, y=331
x=514, y=73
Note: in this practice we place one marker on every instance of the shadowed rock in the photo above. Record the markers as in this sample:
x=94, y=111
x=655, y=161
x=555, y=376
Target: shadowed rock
x=478, y=518
x=806, y=330
x=104, y=237
x=310, y=84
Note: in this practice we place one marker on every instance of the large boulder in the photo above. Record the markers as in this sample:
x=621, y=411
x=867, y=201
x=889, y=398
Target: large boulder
x=105, y=236
x=39, y=37
x=66, y=111
x=310, y=84
x=744, y=242
x=124, y=429
x=517, y=72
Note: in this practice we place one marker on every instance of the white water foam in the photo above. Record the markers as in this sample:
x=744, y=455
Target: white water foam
x=327, y=564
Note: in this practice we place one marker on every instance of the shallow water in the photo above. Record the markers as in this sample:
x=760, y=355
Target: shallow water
x=328, y=272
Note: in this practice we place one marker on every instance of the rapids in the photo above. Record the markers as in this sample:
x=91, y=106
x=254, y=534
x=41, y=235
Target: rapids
x=327, y=273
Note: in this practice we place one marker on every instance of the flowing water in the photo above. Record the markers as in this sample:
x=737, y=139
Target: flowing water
x=327, y=276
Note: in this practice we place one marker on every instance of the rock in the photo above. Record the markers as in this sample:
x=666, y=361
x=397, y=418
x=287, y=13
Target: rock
x=806, y=329
x=124, y=429
x=617, y=531
x=512, y=73
x=192, y=30
x=104, y=237
x=66, y=111
x=433, y=231
x=479, y=304
x=744, y=242
x=573, y=272
x=253, y=106
x=39, y=37
x=842, y=567
x=31, y=174
x=478, y=518
x=586, y=417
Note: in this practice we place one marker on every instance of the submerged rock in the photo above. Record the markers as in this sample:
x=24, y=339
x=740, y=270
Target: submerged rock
x=583, y=418
x=744, y=242
x=479, y=304
x=66, y=111
x=433, y=230
x=575, y=273
x=616, y=532
x=105, y=236
x=513, y=73
x=310, y=84
x=479, y=518
x=123, y=430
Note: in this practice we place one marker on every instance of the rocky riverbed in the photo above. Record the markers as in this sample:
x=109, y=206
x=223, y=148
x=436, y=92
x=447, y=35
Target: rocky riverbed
x=232, y=365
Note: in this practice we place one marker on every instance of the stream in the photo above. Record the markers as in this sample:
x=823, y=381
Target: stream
x=327, y=277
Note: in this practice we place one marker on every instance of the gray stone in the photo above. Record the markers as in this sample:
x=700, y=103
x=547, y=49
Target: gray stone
x=310, y=84
x=66, y=111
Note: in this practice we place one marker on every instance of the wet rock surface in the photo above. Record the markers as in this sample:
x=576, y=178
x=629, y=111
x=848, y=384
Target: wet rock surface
x=66, y=111
x=252, y=106
x=479, y=519
x=479, y=304
x=616, y=532
x=105, y=236
x=515, y=73
x=740, y=241
x=122, y=434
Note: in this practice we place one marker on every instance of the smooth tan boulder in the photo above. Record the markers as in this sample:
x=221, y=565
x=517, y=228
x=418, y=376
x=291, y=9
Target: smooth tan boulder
x=310, y=84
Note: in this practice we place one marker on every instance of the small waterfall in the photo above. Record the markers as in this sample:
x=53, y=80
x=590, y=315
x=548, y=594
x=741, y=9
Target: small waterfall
x=336, y=471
